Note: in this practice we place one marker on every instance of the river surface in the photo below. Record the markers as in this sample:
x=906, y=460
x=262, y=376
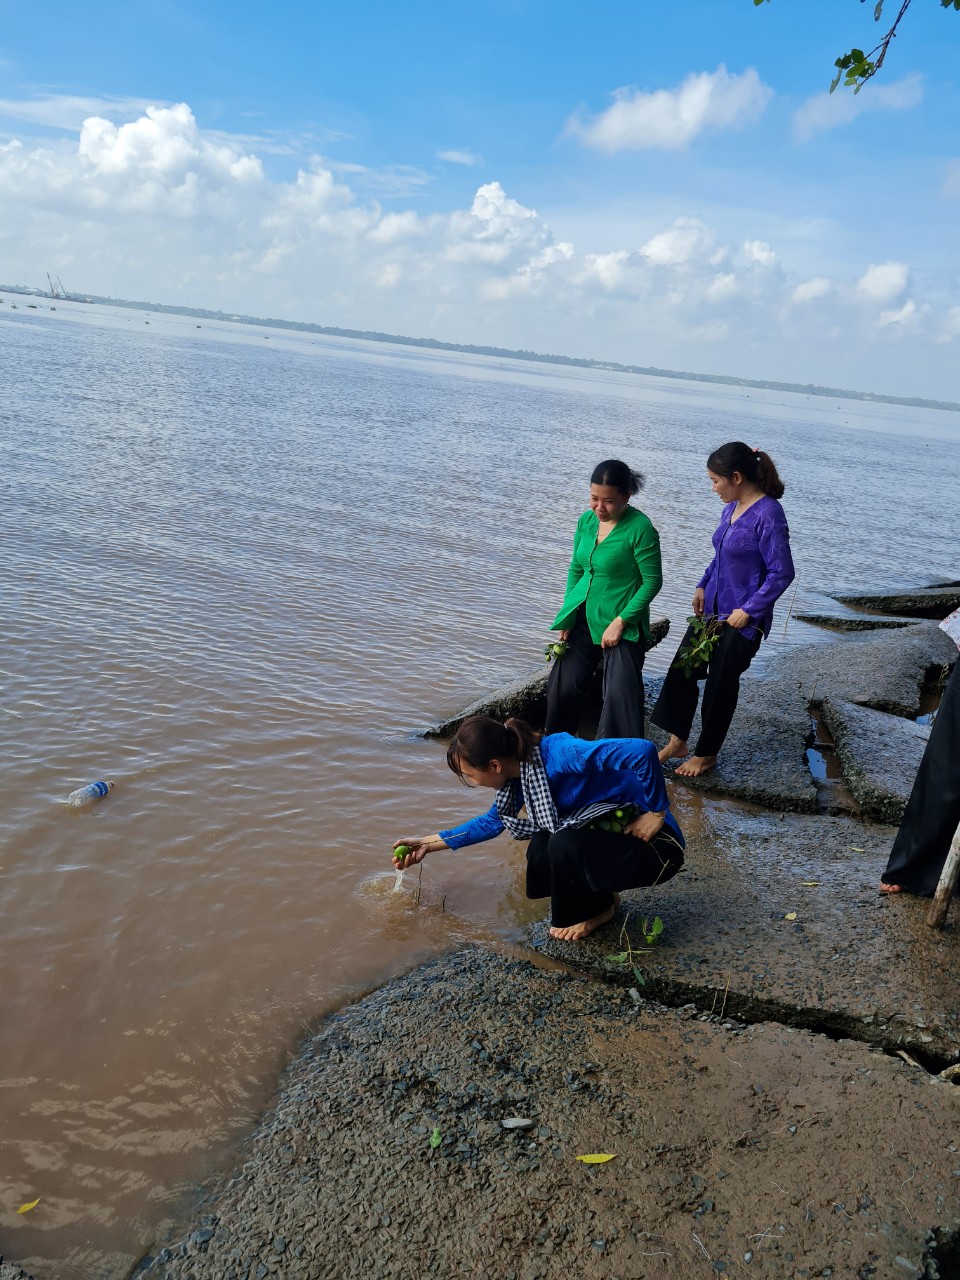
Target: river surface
x=241, y=566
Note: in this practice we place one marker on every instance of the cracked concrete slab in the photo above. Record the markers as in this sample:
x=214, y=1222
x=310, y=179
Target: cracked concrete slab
x=779, y=917
x=763, y=760
x=879, y=755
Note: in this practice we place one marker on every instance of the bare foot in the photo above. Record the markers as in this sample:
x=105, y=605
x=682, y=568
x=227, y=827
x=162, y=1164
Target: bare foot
x=891, y=888
x=696, y=765
x=676, y=749
x=577, y=932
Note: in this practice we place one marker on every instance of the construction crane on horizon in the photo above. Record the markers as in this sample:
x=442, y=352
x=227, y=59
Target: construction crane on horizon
x=53, y=291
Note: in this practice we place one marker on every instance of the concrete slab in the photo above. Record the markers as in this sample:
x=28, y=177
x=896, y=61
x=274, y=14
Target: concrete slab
x=760, y=1150
x=853, y=621
x=849, y=962
x=879, y=754
x=925, y=602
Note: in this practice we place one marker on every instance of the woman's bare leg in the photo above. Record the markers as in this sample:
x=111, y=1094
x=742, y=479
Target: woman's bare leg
x=577, y=932
x=696, y=765
x=676, y=749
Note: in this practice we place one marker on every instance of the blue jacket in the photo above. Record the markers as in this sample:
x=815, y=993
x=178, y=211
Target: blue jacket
x=622, y=771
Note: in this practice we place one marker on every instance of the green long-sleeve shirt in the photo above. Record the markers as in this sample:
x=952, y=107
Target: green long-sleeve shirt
x=615, y=578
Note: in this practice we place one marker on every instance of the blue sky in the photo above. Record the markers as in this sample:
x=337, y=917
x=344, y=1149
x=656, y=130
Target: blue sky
x=653, y=182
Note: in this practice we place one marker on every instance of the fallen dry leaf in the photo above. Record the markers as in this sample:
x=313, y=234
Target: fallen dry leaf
x=25, y=1208
x=595, y=1159
x=791, y=915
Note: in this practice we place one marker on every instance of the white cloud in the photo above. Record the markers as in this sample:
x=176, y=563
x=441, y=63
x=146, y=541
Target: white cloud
x=905, y=319
x=760, y=252
x=950, y=326
x=460, y=157
x=63, y=111
x=811, y=290
x=160, y=208
x=671, y=118
x=687, y=239
x=882, y=282
x=389, y=181
x=831, y=110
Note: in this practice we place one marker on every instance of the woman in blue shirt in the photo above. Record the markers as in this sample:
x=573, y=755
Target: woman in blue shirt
x=565, y=784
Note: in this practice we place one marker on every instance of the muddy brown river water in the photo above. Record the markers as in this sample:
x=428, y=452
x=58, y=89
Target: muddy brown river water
x=241, y=567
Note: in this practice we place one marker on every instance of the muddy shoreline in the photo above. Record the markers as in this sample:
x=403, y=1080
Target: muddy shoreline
x=748, y=1077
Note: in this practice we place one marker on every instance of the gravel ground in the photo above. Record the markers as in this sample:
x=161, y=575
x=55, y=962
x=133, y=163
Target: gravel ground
x=756, y=1151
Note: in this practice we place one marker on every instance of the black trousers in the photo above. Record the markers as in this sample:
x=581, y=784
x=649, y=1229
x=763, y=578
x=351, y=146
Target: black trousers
x=932, y=814
x=572, y=676
x=579, y=869
x=674, y=709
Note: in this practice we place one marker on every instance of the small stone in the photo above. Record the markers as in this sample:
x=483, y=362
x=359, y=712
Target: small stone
x=516, y=1122
x=279, y=1244
x=748, y=1256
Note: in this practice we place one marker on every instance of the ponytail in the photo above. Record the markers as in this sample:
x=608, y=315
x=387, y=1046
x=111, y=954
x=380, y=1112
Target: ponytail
x=481, y=739
x=753, y=464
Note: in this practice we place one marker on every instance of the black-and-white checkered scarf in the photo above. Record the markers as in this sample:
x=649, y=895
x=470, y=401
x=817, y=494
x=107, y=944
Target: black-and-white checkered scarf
x=532, y=789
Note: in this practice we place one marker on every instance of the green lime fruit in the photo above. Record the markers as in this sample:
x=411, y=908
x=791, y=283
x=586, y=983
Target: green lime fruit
x=401, y=852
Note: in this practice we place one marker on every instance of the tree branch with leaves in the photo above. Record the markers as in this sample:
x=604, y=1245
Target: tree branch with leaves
x=856, y=67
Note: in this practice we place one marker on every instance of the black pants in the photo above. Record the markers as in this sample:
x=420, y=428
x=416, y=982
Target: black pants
x=674, y=709
x=579, y=869
x=932, y=814
x=572, y=676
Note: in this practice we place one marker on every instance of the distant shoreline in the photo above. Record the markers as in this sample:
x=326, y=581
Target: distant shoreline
x=466, y=348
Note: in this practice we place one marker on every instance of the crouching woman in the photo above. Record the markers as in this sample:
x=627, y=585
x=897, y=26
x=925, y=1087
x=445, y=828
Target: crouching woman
x=580, y=852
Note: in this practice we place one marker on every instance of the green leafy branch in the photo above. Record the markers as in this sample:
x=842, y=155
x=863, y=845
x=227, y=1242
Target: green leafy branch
x=704, y=638
x=650, y=931
x=856, y=67
x=555, y=650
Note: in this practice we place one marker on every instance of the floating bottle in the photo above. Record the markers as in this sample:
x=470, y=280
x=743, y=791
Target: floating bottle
x=84, y=795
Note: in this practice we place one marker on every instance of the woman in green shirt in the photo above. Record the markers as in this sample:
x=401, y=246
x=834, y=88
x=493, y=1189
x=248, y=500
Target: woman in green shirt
x=605, y=617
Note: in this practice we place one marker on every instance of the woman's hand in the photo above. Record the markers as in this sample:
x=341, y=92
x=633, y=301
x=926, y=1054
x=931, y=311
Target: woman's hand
x=646, y=826
x=419, y=847
x=564, y=634
x=613, y=634
x=737, y=618
x=698, y=599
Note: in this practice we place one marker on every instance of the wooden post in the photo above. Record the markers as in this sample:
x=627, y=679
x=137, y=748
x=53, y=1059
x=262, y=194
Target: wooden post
x=947, y=885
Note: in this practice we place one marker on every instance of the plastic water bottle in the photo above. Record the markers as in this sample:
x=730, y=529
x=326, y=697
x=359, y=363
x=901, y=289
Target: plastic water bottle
x=92, y=791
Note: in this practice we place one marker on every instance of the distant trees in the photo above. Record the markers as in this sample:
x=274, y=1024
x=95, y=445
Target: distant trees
x=856, y=67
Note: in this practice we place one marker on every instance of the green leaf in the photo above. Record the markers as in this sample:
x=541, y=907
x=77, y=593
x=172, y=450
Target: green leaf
x=878, y=10
x=638, y=974
x=436, y=1138
x=622, y=958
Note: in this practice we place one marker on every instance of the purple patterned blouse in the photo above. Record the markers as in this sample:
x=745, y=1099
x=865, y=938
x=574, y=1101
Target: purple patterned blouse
x=752, y=565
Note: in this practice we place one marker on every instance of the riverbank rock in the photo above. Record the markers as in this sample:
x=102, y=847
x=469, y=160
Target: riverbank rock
x=879, y=754
x=525, y=698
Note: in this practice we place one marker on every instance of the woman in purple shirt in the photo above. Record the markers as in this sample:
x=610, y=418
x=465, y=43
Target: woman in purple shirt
x=750, y=570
